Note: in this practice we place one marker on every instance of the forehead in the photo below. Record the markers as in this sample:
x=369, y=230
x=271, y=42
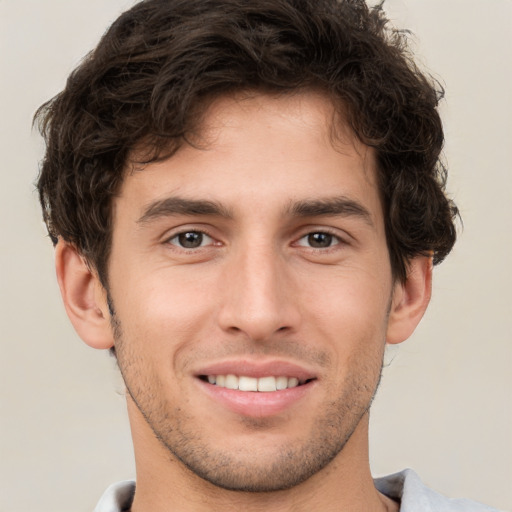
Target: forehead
x=290, y=118
x=257, y=150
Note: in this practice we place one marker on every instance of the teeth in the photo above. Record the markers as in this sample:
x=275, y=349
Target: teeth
x=231, y=382
x=266, y=384
x=292, y=382
x=281, y=383
x=263, y=384
x=247, y=384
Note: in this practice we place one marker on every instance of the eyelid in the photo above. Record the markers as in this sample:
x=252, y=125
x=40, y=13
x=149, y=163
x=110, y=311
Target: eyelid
x=180, y=230
x=341, y=237
x=204, y=241
x=336, y=241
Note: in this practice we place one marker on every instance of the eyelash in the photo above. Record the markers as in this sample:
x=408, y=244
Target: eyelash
x=202, y=234
x=333, y=239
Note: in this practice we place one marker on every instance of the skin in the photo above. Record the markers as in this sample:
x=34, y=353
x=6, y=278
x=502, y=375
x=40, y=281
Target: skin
x=274, y=279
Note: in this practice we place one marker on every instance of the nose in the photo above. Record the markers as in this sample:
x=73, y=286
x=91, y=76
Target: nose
x=258, y=298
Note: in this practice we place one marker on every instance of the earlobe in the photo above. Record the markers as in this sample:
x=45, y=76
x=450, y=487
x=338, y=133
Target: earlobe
x=84, y=297
x=410, y=300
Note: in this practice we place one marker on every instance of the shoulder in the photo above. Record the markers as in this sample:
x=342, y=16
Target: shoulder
x=414, y=496
x=117, y=497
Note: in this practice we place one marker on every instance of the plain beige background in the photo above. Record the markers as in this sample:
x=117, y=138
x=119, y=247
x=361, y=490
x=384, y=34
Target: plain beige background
x=445, y=403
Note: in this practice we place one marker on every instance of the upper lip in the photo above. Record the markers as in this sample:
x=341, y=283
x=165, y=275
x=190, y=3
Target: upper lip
x=251, y=368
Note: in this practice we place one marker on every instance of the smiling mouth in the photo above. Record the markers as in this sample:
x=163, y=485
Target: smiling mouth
x=266, y=384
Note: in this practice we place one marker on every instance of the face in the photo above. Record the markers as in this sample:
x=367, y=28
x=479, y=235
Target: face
x=251, y=285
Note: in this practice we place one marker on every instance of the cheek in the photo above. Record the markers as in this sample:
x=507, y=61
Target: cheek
x=163, y=295
x=163, y=314
x=353, y=297
x=350, y=314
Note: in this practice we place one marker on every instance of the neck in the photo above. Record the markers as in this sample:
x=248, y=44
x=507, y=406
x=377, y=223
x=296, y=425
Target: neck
x=163, y=482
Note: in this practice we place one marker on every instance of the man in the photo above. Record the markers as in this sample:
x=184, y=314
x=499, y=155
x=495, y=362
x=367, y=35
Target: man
x=246, y=200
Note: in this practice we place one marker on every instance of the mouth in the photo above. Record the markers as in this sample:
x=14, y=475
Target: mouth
x=257, y=389
x=265, y=384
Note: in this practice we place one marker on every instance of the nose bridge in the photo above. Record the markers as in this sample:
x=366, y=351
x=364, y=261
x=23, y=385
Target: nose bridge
x=257, y=298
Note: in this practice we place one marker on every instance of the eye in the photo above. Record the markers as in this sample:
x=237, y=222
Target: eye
x=318, y=240
x=191, y=239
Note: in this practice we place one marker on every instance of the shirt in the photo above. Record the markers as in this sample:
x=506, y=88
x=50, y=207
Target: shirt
x=404, y=487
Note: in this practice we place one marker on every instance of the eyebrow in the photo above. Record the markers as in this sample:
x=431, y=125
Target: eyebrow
x=334, y=206
x=181, y=206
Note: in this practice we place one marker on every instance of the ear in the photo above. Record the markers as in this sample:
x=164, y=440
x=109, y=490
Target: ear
x=410, y=300
x=85, y=298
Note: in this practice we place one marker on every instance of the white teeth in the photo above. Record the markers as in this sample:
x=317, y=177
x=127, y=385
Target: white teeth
x=267, y=384
x=247, y=384
x=292, y=382
x=244, y=383
x=231, y=381
x=281, y=383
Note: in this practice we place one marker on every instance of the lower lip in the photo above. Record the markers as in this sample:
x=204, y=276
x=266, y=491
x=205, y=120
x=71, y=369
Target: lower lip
x=256, y=404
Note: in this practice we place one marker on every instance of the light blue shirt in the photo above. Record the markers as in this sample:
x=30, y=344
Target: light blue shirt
x=407, y=489
x=404, y=487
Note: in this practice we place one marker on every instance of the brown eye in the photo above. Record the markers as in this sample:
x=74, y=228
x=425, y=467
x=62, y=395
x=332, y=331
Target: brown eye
x=320, y=240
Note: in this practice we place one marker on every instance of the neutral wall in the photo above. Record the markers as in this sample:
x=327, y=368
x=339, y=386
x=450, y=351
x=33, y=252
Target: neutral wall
x=445, y=403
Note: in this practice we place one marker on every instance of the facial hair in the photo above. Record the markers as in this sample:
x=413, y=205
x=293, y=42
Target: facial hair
x=285, y=465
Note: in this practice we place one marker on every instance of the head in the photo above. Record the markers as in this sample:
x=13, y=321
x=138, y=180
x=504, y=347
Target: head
x=255, y=189
x=156, y=70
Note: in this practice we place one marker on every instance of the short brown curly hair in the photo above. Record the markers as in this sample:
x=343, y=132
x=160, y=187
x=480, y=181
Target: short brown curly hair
x=163, y=61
